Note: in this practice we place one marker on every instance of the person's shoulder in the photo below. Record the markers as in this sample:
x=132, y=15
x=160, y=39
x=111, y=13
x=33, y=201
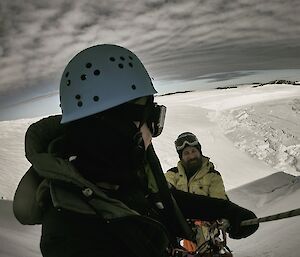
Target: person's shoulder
x=211, y=167
x=213, y=171
x=174, y=170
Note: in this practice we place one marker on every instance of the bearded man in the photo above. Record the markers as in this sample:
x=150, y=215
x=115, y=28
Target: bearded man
x=196, y=174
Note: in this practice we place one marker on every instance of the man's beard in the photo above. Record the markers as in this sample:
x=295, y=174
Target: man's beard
x=192, y=166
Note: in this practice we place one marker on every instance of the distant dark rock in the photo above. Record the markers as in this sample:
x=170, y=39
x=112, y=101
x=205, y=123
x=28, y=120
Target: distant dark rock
x=226, y=87
x=258, y=85
x=279, y=82
x=178, y=92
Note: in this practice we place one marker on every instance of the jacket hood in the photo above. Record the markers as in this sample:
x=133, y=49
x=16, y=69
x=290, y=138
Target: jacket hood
x=41, y=140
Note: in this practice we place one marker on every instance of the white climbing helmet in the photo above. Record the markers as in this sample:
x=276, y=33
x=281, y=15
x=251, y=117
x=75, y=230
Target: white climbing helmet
x=99, y=78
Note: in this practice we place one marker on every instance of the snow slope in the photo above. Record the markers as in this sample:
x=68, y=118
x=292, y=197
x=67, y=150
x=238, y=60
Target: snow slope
x=216, y=117
x=249, y=133
x=13, y=163
x=269, y=132
x=17, y=240
x=276, y=193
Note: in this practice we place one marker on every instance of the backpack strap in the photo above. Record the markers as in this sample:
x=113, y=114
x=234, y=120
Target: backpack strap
x=176, y=219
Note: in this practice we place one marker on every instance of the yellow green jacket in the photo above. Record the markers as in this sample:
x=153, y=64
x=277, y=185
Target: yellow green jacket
x=206, y=181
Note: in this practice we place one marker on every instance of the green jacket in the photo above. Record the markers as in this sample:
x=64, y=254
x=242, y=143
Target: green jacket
x=53, y=175
x=206, y=181
x=53, y=178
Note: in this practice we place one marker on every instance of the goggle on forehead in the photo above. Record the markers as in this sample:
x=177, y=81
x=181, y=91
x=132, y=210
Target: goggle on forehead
x=156, y=119
x=188, y=139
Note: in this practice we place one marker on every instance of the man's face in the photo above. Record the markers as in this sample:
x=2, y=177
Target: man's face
x=191, y=158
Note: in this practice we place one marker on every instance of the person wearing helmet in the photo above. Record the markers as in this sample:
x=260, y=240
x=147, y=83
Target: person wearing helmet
x=96, y=184
x=196, y=174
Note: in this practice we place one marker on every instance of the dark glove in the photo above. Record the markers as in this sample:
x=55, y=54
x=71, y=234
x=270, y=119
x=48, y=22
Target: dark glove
x=236, y=215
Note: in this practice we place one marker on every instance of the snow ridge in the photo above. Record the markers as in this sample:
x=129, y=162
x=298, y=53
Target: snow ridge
x=267, y=131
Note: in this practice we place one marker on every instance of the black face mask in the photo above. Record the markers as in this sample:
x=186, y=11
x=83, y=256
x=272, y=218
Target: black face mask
x=107, y=149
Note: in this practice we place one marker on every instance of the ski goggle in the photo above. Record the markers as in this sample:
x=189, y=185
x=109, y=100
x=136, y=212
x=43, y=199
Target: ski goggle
x=156, y=119
x=152, y=114
x=186, y=139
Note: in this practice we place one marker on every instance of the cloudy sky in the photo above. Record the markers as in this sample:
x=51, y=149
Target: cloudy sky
x=176, y=40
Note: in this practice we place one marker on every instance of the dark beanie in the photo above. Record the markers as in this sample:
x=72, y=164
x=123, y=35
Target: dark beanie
x=187, y=136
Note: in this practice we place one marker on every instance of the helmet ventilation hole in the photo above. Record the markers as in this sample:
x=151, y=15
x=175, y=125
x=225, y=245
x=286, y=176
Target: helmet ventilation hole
x=67, y=74
x=77, y=97
x=83, y=77
x=96, y=98
x=68, y=82
x=96, y=72
x=122, y=58
x=88, y=65
x=79, y=104
x=133, y=87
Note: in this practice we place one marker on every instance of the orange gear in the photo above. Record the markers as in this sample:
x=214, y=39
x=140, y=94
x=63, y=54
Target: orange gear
x=189, y=246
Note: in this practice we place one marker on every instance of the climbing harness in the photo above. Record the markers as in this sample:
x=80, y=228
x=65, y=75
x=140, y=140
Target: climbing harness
x=216, y=245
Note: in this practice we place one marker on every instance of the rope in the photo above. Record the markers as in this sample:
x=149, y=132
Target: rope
x=282, y=215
